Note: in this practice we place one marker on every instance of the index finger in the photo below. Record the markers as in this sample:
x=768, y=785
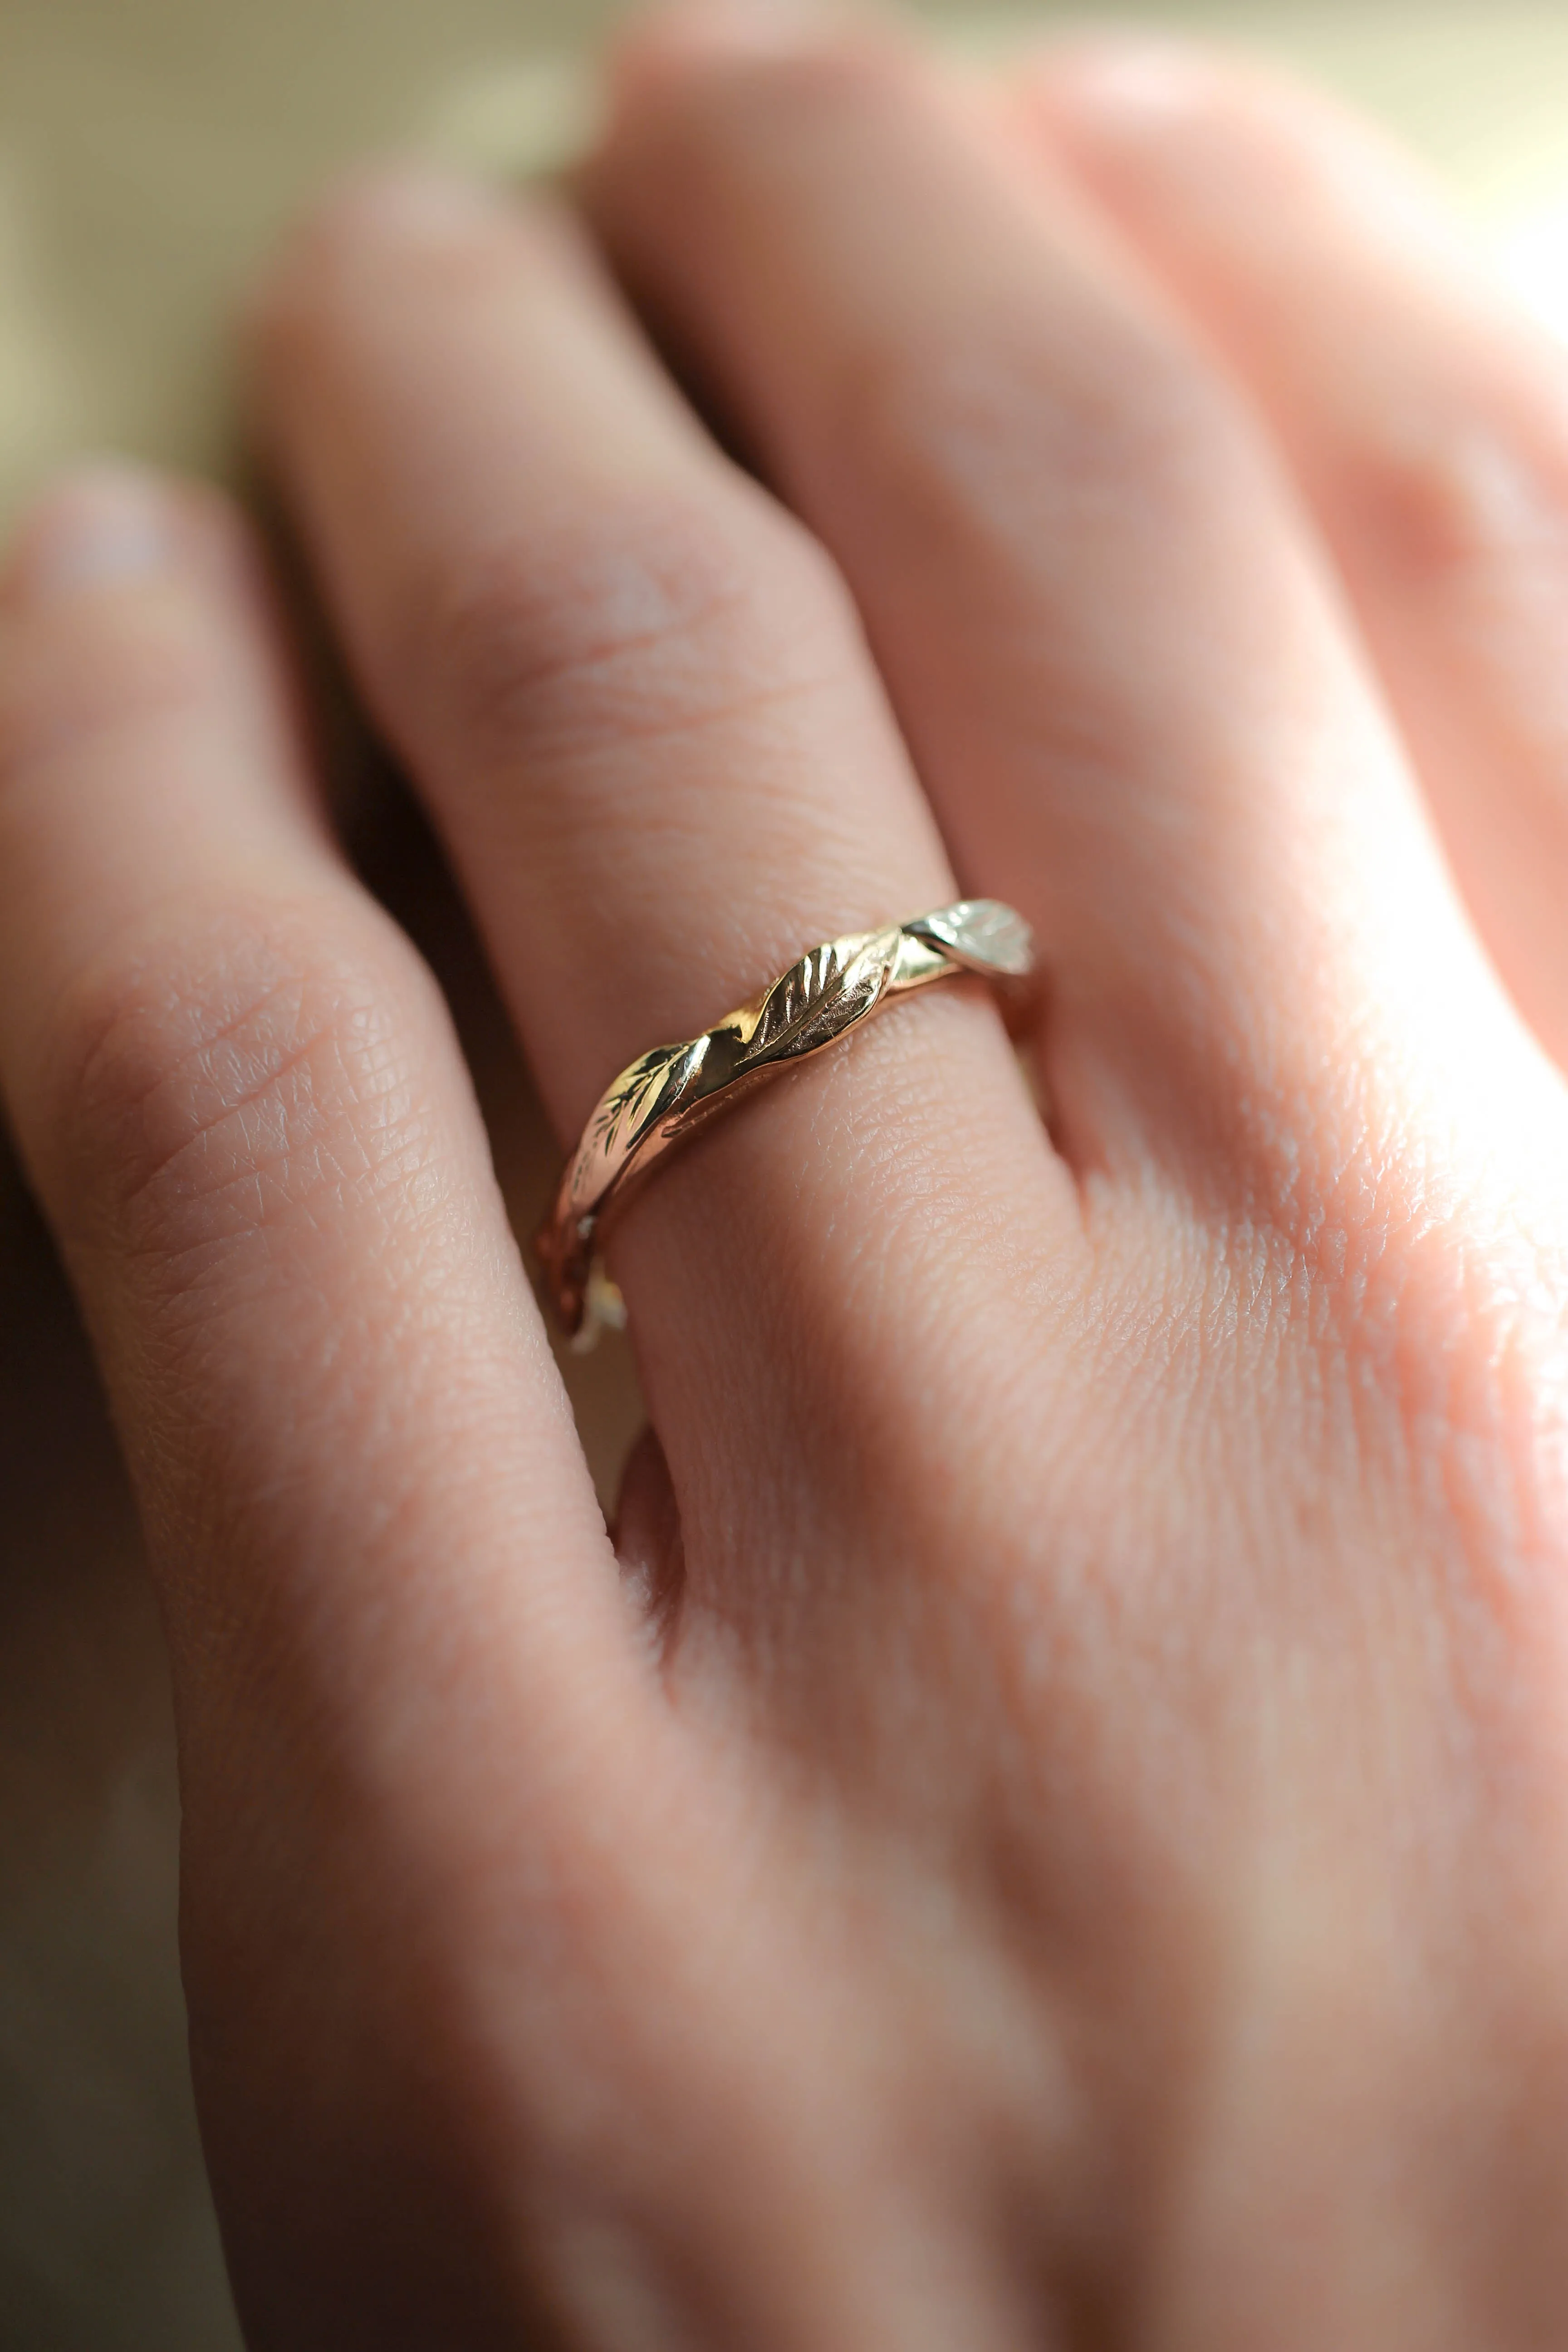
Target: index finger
x=392, y=1602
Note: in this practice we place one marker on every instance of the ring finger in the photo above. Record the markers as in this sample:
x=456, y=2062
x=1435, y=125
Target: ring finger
x=634, y=694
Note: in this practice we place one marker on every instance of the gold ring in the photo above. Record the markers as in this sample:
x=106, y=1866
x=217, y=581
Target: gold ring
x=665, y=1094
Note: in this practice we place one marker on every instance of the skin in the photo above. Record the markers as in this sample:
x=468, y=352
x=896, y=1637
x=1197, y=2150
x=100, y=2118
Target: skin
x=1051, y=1827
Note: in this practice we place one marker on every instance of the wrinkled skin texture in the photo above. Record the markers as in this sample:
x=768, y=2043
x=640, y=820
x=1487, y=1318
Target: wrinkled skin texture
x=1049, y=1824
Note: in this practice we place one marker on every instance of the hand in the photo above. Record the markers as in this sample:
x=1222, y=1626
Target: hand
x=1054, y=1827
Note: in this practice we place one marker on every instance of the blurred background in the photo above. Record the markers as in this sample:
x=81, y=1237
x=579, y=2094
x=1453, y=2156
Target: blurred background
x=148, y=152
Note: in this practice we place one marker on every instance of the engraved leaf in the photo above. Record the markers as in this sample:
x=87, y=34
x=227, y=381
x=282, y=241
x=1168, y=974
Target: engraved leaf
x=643, y=1095
x=984, y=935
x=818, y=997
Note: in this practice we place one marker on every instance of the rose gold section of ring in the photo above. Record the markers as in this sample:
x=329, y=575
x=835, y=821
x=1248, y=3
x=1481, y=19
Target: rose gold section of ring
x=664, y=1095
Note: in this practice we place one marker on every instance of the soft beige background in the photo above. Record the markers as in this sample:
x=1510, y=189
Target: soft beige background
x=149, y=149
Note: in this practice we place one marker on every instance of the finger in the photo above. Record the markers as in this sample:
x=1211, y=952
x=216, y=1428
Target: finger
x=231, y=1075
x=1426, y=420
x=1123, y=678
x=647, y=1530
x=634, y=694
x=241, y=1104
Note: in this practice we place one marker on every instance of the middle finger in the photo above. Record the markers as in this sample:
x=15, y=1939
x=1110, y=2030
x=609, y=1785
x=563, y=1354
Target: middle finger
x=1104, y=625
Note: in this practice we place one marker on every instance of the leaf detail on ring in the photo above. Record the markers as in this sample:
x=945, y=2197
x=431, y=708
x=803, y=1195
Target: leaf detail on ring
x=826, y=993
x=984, y=934
x=643, y=1094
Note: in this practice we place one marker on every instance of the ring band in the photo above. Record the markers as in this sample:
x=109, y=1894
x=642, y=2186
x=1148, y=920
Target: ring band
x=667, y=1093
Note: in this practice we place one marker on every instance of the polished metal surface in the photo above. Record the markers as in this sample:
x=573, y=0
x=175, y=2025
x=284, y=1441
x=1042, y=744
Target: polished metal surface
x=666, y=1093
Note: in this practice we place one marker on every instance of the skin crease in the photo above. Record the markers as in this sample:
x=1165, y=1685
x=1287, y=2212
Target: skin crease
x=1053, y=1832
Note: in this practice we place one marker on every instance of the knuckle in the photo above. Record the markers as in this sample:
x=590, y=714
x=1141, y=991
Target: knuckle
x=651, y=614
x=375, y=221
x=249, y=1074
x=845, y=68
x=1433, y=1312
x=102, y=670
x=1473, y=1368
x=1458, y=499
x=1012, y=425
x=727, y=98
